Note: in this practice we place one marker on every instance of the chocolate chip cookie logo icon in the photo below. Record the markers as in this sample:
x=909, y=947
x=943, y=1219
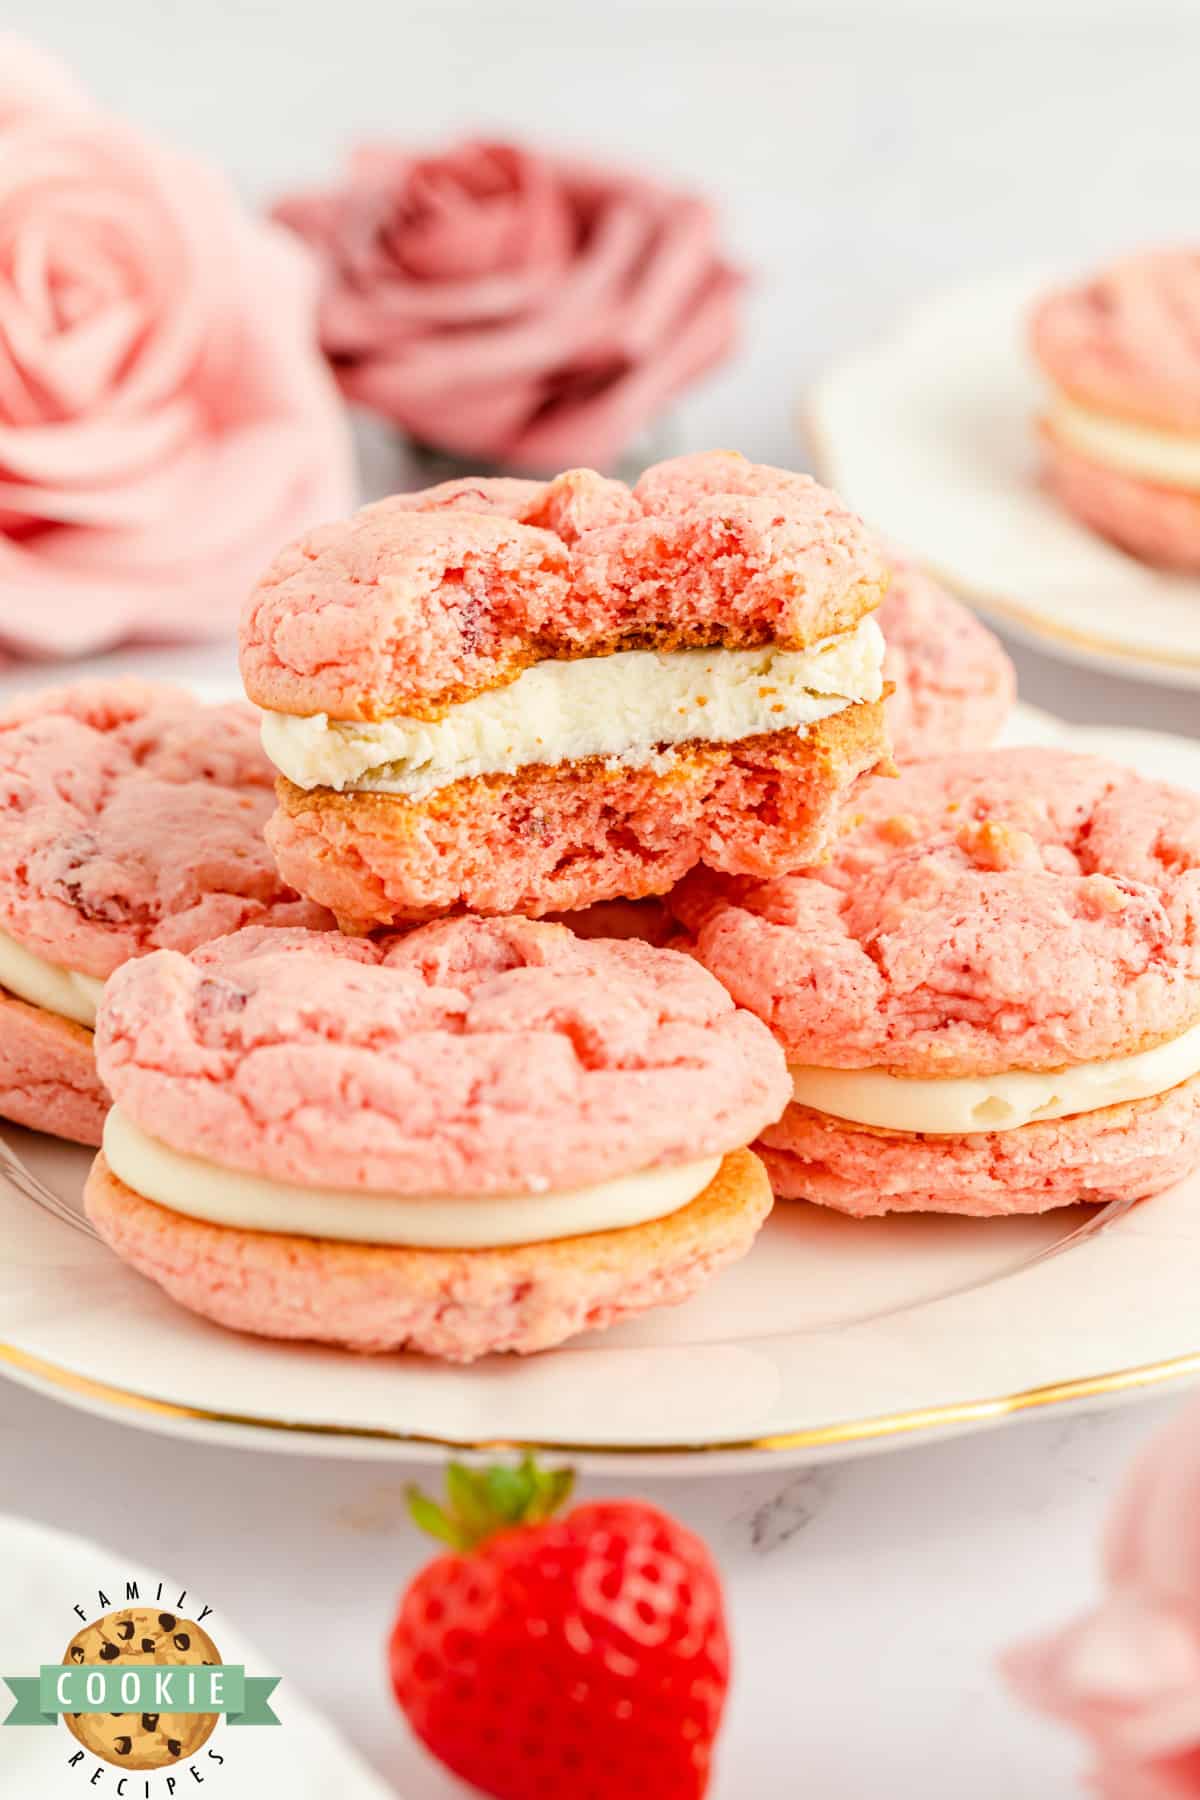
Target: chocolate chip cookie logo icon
x=140, y=1637
x=142, y=1688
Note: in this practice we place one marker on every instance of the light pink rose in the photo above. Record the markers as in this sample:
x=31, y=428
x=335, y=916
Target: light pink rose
x=29, y=80
x=513, y=307
x=1128, y=1674
x=165, y=419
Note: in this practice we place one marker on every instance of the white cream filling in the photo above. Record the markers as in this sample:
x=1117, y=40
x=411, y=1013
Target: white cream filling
x=45, y=984
x=1166, y=458
x=628, y=708
x=953, y=1105
x=204, y=1190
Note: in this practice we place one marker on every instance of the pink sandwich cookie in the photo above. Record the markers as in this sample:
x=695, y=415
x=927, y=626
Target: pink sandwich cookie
x=482, y=1135
x=131, y=817
x=989, y=997
x=516, y=696
x=1122, y=430
x=952, y=684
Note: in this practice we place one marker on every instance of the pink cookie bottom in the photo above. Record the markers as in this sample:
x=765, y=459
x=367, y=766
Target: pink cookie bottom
x=1156, y=524
x=560, y=838
x=1122, y=1153
x=48, y=1078
x=453, y=1304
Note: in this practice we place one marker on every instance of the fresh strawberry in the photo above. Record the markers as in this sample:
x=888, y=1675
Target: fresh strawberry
x=582, y=1657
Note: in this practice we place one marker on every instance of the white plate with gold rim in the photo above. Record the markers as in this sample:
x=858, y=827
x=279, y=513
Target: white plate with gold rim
x=929, y=434
x=832, y=1335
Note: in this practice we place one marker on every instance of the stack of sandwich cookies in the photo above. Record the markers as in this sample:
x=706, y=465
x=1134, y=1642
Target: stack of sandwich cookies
x=527, y=697
x=952, y=685
x=1122, y=430
x=483, y=1135
x=130, y=817
x=989, y=997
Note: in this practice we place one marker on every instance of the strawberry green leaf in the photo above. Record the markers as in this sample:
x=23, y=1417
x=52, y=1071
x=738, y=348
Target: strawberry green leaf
x=432, y=1518
x=482, y=1502
x=554, y=1487
x=466, y=1491
x=510, y=1491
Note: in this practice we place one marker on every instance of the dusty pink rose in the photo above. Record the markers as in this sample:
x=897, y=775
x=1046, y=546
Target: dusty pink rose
x=512, y=307
x=166, y=421
x=1128, y=1674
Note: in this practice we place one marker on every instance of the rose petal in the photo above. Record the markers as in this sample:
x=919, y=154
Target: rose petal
x=1152, y=1540
x=70, y=592
x=358, y=320
x=73, y=368
x=1177, y=1778
x=536, y=342
x=595, y=431
x=62, y=455
x=19, y=403
x=31, y=81
x=683, y=256
x=477, y=420
x=1128, y=1676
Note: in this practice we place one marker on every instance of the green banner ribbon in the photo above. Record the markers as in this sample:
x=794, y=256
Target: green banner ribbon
x=223, y=1688
x=27, y=1711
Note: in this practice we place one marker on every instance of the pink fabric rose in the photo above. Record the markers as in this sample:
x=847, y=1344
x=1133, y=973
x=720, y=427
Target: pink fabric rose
x=1128, y=1674
x=513, y=307
x=165, y=419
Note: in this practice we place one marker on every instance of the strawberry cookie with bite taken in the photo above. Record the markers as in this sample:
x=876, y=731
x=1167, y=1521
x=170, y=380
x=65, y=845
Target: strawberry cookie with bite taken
x=509, y=696
x=482, y=1135
x=989, y=997
x=131, y=817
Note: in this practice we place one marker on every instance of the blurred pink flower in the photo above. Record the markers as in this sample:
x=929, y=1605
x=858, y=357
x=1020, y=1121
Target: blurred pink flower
x=165, y=419
x=30, y=79
x=1128, y=1674
x=515, y=307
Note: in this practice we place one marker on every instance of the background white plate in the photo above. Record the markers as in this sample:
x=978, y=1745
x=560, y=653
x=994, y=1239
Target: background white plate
x=930, y=435
x=833, y=1334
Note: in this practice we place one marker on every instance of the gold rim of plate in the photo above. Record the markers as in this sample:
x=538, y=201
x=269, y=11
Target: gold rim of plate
x=815, y=1437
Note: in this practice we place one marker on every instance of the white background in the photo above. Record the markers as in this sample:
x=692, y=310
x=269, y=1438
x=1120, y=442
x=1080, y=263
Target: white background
x=864, y=154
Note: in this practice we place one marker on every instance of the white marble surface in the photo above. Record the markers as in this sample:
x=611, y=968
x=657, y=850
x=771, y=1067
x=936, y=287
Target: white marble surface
x=868, y=1598
x=865, y=153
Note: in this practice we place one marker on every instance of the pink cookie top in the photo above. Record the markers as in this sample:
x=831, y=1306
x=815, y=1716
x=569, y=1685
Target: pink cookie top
x=953, y=684
x=470, y=1056
x=993, y=910
x=1127, y=341
x=131, y=817
x=419, y=601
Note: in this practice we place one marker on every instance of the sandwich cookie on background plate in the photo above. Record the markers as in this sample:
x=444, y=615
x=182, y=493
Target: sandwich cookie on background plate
x=508, y=696
x=989, y=997
x=482, y=1135
x=1121, y=432
x=131, y=816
